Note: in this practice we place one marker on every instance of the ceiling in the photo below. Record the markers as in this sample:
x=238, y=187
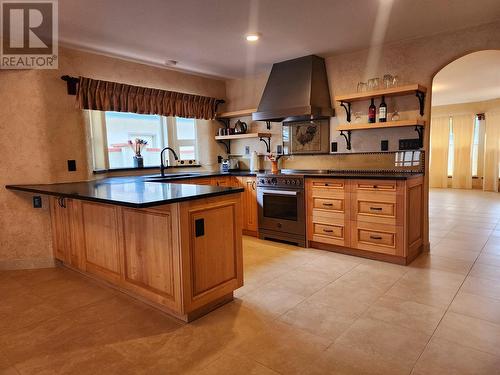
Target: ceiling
x=472, y=78
x=207, y=36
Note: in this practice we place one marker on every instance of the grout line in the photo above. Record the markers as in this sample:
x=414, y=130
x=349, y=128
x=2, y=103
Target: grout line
x=448, y=307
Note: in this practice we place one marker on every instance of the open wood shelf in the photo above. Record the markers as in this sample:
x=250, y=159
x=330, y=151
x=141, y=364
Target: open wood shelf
x=393, y=91
x=242, y=136
x=240, y=113
x=381, y=125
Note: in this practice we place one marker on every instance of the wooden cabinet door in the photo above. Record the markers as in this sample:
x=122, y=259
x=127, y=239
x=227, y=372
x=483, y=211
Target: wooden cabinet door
x=151, y=254
x=61, y=229
x=211, y=249
x=101, y=238
x=250, y=205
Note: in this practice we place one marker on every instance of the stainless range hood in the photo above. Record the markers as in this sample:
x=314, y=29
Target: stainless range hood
x=296, y=90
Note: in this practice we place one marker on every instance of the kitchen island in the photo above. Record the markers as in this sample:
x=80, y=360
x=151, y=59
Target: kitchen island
x=173, y=245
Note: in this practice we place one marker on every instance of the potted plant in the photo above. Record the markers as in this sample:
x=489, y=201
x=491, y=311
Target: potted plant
x=137, y=146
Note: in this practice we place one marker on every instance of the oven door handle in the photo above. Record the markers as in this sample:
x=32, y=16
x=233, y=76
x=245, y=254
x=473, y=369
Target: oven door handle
x=279, y=192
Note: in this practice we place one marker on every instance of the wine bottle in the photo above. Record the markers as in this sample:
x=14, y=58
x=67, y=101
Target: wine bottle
x=372, y=110
x=382, y=111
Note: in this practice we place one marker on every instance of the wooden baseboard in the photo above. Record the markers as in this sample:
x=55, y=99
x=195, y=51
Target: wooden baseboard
x=252, y=233
x=363, y=253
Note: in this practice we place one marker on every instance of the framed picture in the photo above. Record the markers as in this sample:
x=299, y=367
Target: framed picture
x=306, y=137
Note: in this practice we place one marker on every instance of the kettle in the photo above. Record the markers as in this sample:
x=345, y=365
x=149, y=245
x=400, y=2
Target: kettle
x=240, y=127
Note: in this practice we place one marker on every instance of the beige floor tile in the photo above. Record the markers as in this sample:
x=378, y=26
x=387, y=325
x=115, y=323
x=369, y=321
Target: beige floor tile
x=489, y=259
x=300, y=281
x=435, y=262
x=427, y=294
x=485, y=271
x=477, y=307
x=17, y=313
x=230, y=364
x=329, y=267
x=453, y=253
x=471, y=332
x=407, y=314
x=183, y=350
x=6, y=368
x=374, y=347
x=319, y=319
x=271, y=301
x=444, y=357
x=347, y=298
x=97, y=360
x=462, y=244
x=482, y=287
x=284, y=349
x=374, y=274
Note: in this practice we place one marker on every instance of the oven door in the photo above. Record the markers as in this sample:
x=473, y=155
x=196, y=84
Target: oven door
x=281, y=210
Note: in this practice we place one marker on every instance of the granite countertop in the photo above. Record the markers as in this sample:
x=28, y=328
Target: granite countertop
x=128, y=191
x=153, y=190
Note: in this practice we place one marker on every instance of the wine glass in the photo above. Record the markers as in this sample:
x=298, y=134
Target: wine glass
x=361, y=86
x=388, y=80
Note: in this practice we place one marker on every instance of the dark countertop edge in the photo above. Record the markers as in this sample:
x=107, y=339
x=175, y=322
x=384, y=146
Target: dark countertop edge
x=231, y=190
x=118, y=170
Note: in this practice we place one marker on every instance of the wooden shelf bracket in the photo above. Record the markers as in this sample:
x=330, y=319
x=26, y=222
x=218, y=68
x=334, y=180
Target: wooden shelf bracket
x=421, y=101
x=267, y=143
x=347, y=107
x=227, y=144
x=420, y=130
x=347, y=138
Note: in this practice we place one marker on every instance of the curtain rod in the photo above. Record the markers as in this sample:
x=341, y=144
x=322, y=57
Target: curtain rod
x=72, y=83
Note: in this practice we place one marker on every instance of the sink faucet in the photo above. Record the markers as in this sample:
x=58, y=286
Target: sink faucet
x=162, y=165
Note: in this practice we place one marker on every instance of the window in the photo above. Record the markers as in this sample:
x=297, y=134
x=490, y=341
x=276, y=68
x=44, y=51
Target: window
x=185, y=130
x=112, y=131
x=451, y=150
x=475, y=147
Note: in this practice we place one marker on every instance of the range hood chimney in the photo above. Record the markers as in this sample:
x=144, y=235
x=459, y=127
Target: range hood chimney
x=296, y=90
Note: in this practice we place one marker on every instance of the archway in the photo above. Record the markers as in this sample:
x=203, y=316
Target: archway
x=465, y=123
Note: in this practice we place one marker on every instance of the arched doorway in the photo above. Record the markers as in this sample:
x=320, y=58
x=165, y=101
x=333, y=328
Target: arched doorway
x=465, y=123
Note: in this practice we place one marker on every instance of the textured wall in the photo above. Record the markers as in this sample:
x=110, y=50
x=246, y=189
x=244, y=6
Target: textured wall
x=42, y=129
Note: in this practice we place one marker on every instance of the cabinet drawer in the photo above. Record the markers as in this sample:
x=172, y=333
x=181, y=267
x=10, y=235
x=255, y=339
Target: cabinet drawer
x=375, y=185
x=377, y=237
x=329, y=204
x=382, y=209
x=380, y=238
x=335, y=231
x=328, y=185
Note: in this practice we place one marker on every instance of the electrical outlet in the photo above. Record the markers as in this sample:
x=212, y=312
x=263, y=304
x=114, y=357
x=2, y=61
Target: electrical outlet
x=71, y=165
x=37, y=201
x=247, y=150
x=384, y=145
x=279, y=149
x=334, y=146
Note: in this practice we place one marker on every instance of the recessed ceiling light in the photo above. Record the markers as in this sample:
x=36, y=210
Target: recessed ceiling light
x=252, y=37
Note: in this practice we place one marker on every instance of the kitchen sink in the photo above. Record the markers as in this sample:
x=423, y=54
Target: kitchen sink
x=171, y=176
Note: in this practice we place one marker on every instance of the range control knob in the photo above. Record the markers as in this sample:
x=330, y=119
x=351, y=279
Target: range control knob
x=293, y=182
x=262, y=181
x=274, y=180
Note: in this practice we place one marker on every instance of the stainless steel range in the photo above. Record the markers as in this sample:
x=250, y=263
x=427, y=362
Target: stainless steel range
x=282, y=207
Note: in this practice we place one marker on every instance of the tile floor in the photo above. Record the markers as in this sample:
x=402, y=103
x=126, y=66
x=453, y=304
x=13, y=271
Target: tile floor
x=301, y=311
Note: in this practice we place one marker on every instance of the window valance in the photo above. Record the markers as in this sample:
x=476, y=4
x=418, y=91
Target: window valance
x=112, y=96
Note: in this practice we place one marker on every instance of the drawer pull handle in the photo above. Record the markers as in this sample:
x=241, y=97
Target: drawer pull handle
x=328, y=204
x=328, y=230
x=376, y=208
x=375, y=237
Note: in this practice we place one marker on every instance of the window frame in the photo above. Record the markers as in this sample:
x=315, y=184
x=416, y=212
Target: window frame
x=96, y=122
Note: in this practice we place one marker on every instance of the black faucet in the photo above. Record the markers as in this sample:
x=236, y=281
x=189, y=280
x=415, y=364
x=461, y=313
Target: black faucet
x=162, y=166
